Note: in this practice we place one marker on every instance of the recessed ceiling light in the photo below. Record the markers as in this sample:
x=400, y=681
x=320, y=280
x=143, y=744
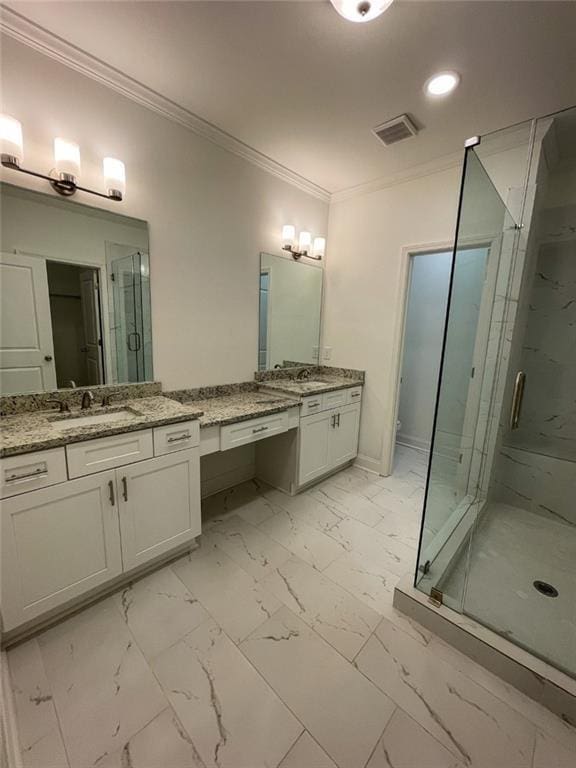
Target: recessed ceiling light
x=442, y=83
x=361, y=10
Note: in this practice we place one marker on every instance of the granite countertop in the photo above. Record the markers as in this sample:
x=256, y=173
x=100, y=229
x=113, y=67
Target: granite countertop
x=38, y=430
x=303, y=387
x=241, y=406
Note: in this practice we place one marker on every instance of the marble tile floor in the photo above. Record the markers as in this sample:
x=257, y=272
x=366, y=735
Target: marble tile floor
x=510, y=550
x=276, y=645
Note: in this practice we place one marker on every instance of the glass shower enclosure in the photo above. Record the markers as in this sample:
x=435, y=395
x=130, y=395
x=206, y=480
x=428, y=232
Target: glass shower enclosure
x=498, y=538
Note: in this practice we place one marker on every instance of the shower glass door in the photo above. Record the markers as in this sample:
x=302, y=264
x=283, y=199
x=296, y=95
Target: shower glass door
x=498, y=541
x=480, y=272
x=131, y=325
x=521, y=574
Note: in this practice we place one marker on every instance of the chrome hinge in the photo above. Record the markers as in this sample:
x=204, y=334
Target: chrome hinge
x=436, y=596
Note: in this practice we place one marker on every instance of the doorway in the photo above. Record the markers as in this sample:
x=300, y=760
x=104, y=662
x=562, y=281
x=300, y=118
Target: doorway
x=74, y=295
x=427, y=297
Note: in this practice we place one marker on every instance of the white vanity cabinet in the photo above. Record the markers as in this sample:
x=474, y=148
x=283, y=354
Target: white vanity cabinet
x=63, y=541
x=328, y=439
x=159, y=505
x=57, y=544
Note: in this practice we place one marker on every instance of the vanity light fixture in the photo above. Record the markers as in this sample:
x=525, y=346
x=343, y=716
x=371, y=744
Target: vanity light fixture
x=64, y=177
x=361, y=10
x=305, y=246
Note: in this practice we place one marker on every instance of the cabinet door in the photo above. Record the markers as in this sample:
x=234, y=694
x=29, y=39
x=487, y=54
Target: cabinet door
x=344, y=435
x=314, y=457
x=57, y=543
x=159, y=502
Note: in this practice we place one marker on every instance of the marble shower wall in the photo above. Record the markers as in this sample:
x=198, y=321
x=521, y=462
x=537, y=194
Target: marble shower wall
x=542, y=484
x=548, y=421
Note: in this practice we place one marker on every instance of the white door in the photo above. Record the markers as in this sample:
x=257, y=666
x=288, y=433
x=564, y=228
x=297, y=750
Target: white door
x=26, y=345
x=314, y=440
x=159, y=505
x=92, y=333
x=344, y=435
x=58, y=543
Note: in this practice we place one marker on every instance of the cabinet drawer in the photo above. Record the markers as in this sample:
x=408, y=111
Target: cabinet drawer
x=176, y=437
x=92, y=456
x=19, y=474
x=243, y=432
x=334, y=399
x=311, y=405
x=354, y=395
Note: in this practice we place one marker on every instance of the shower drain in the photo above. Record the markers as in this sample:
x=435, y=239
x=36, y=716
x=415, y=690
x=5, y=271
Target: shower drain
x=546, y=589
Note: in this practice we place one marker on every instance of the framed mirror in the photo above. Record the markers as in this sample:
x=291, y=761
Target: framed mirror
x=290, y=312
x=74, y=292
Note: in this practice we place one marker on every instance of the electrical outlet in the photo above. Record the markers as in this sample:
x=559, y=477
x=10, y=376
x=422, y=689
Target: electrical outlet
x=315, y=353
x=327, y=354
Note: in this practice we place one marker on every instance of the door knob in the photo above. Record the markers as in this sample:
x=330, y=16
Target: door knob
x=48, y=358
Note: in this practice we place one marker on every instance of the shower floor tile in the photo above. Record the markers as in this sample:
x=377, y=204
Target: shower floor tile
x=511, y=550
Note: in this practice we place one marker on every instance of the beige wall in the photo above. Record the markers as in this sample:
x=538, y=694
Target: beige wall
x=210, y=212
x=364, y=286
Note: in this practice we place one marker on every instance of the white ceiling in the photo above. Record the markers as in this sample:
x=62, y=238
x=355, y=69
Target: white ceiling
x=300, y=84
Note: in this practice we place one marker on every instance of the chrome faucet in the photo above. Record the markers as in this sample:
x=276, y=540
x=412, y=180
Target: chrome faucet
x=87, y=400
x=62, y=404
x=303, y=373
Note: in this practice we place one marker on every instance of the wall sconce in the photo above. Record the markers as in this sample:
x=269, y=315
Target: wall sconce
x=64, y=177
x=304, y=243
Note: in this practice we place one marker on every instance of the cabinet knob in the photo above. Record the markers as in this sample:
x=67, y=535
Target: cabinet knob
x=48, y=358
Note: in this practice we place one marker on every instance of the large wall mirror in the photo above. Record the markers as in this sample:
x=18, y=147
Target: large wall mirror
x=75, y=295
x=290, y=311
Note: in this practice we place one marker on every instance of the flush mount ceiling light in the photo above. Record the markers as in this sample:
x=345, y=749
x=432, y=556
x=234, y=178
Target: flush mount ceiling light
x=442, y=84
x=361, y=10
x=64, y=177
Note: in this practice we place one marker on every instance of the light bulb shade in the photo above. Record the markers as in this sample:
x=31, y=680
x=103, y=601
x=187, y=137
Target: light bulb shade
x=361, y=10
x=288, y=236
x=304, y=241
x=114, y=177
x=67, y=159
x=319, y=247
x=442, y=83
x=11, y=144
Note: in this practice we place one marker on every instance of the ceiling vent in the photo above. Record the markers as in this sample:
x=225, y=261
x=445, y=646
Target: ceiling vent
x=397, y=129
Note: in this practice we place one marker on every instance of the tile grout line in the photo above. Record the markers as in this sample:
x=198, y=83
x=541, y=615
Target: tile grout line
x=53, y=699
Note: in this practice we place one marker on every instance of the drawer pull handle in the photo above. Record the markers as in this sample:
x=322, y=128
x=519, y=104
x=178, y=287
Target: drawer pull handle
x=355, y=394
x=333, y=420
x=313, y=405
x=37, y=473
x=124, y=489
x=185, y=436
x=30, y=476
x=338, y=423
x=259, y=429
x=111, y=492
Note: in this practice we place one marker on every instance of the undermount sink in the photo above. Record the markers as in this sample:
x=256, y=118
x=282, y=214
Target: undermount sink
x=73, y=421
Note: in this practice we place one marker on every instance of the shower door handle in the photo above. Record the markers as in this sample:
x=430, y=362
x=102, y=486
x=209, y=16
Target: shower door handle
x=517, y=397
x=138, y=344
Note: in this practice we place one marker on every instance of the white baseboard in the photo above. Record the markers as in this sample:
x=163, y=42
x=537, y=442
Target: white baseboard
x=410, y=441
x=369, y=464
x=10, y=746
x=226, y=480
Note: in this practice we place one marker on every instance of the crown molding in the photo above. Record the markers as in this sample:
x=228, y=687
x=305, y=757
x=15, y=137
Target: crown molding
x=402, y=177
x=490, y=144
x=34, y=36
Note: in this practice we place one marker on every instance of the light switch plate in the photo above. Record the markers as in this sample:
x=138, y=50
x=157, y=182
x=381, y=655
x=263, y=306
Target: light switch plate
x=327, y=353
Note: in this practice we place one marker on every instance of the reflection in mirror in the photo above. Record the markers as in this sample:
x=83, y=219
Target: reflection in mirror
x=75, y=295
x=290, y=309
